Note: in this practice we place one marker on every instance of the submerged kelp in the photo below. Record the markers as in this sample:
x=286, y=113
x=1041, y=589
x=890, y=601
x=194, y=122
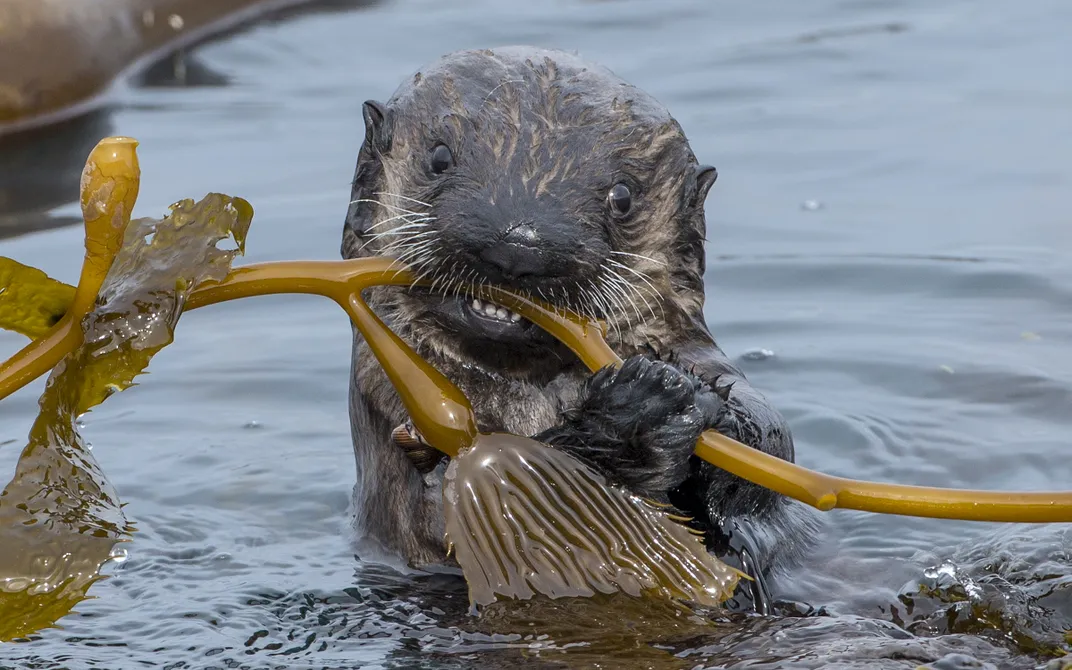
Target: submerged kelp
x=1015, y=589
x=59, y=516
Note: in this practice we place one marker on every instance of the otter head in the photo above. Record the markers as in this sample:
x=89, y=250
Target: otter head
x=533, y=170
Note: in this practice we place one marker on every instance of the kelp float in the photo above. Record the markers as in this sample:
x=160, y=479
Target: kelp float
x=522, y=518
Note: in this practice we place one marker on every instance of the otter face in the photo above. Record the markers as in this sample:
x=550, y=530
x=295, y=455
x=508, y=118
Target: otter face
x=532, y=170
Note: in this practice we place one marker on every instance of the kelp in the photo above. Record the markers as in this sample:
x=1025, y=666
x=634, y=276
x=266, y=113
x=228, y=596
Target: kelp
x=31, y=302
x=522, y=518
x=59, y=517
x=341, y=280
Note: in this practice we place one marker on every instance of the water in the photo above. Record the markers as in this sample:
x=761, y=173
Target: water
x=889, y=259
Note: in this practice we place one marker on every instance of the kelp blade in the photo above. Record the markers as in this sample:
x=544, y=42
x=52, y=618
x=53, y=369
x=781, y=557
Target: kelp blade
x=524, y=518
x=59, y=516
x=31, y=302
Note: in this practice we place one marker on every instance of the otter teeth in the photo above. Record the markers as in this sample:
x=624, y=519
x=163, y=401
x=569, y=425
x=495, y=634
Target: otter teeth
x=493, y=311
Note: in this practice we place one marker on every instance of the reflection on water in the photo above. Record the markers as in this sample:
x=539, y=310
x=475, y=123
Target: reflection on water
x=914, y=329
x=40, y=169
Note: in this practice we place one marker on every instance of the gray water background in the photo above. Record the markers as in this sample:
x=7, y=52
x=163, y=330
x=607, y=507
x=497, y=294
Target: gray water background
x=889, y=260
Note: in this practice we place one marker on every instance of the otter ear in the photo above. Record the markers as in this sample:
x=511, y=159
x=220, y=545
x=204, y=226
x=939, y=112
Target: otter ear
x=705, y=179
x=366, y=175
x=377, y=126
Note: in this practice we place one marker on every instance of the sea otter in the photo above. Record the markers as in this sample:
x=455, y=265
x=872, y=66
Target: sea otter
x=535, y=170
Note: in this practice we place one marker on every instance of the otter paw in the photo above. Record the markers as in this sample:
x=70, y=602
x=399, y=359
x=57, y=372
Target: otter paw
x=640, y=424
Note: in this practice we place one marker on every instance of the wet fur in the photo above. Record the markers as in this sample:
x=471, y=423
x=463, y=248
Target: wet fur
x=539, y=136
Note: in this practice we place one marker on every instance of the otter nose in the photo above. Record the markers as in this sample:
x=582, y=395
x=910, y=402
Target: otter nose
x=517, y=254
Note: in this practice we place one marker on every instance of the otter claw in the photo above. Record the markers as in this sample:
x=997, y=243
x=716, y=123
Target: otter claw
x=422, y=455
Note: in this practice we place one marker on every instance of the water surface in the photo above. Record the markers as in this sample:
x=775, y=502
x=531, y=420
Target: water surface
x=890, y=260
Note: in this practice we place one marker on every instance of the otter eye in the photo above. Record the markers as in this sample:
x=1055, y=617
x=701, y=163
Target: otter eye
x=620, y=199
x=442, y=159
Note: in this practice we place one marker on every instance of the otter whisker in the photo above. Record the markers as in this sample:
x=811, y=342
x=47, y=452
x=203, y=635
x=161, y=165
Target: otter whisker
x=622, y=284
x=408, y=239
x=608, y=314
x=644, y=258
x=408, y=232
x=387, y=205
x=408, y=242
x=457, y=284
x=404, y=197
x=452, y=275
x=607, y=299
x=650, y=288
x=421, y=259
x=401, y=230
x=467, y=281
x=615, y=293
x=440, y=275
x=412, y=241
x=423, y=271
x=413, y=253
x=425, y=261
x=420, y=218
x=644, y=277
x=597, y=306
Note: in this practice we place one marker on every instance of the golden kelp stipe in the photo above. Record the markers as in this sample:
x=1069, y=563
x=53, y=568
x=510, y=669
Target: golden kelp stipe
x=59, y=517
x=442, y=413
x=109, y=187
x=524, y=518
x=339, y=280
x=31, y=302
x=447, y=410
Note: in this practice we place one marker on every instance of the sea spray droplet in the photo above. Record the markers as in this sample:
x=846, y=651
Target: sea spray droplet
x=118, y=555
x=811, y=205
x=946, y=569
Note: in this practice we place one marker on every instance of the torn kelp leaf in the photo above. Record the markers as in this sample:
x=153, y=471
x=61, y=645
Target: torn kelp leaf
x=59, y=516
x=31, y=302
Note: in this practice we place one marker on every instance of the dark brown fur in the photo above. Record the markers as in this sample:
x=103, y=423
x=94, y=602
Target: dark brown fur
x=538, y=139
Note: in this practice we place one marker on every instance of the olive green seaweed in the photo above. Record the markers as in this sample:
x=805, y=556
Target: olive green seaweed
x=447, y=419
x=31, y=302
x=60, y=519
x=522, y=518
